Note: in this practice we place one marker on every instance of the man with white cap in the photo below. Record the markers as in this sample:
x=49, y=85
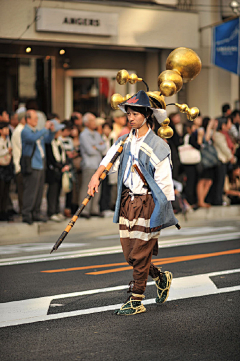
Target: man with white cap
x=145, y=192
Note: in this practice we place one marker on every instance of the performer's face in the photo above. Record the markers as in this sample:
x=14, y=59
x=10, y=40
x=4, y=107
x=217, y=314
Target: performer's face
x=135, y=119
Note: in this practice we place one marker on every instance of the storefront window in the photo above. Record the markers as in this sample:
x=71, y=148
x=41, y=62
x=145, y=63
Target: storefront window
x=92, y=95
x=25, y=78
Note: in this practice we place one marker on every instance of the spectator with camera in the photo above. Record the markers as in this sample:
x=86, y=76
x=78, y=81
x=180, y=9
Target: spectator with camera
x=33, y=165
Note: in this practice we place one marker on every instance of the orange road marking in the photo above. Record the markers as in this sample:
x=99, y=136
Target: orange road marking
x=171, y=260
x=86, y=267
x=158, y=261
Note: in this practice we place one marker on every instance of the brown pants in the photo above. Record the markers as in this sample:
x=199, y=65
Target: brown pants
x=137, y=240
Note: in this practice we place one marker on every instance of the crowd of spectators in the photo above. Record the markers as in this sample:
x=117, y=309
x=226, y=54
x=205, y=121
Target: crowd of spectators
x=38, y=151
x=206, y=159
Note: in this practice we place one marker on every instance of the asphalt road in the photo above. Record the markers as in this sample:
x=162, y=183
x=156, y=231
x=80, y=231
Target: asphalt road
x=63, y=309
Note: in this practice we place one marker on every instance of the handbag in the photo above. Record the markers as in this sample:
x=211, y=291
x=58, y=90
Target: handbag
x=67, y=182
x=26, y=163
x=209, y=155
x=187, y=153
x=5, y=159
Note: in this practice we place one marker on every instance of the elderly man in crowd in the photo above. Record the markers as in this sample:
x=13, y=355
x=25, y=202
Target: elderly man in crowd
x=33, y=145
x=92, y=148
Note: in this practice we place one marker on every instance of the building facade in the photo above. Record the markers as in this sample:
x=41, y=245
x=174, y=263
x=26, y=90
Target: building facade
x=66, y=54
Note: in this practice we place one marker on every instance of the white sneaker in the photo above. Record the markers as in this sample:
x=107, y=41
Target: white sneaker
x=55, y=218
x=61, y=217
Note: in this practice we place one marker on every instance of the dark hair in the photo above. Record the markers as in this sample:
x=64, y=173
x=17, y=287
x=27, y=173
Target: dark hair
x=31, y=104
x=147, y=112
x=73, y=118
x=221, y=121
x=3, y=125
x=68, y=124
x=52, y=116
x=234, y=113
x=205, y=122
x=225, y=108
x=107, y=124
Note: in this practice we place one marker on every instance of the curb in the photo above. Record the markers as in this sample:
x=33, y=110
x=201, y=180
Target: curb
x=18, y=230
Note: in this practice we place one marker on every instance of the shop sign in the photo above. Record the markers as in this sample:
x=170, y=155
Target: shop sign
x=225, y=46
x=76, y=22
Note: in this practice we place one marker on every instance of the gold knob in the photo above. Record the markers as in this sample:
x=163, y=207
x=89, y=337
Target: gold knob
x=123, y=77
x=171, y=75
x=116, y=99
x=182, y=107
x=165, y=131
x=168, y=88
x=156, y=100
x=192, y=113
x=186, y=62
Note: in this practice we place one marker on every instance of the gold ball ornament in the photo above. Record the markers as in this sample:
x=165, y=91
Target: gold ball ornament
x=186, y=62
x=182, y=107
x=115, y=100
x=168, y=88
x=133, y=78
x=155, y=97
x=165, y=131
x=172, y=76
x=193, y=113
x=122, y=77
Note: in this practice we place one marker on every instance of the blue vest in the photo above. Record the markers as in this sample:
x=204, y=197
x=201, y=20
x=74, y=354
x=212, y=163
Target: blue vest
x=152, y=151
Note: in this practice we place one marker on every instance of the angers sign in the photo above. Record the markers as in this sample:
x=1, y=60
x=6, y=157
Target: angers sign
x=77, y=22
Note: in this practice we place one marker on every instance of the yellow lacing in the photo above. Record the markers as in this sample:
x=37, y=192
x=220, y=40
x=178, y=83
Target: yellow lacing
x=138, y=309
x=136, y=295
x=168, y=285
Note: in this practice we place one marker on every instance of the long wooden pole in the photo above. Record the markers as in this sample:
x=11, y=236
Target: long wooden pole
x=87, y=199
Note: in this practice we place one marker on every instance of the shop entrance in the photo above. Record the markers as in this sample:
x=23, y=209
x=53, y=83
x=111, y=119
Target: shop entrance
x=25, y=78
x=90, y=90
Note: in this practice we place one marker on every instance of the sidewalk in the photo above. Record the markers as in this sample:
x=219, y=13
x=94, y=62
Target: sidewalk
x=12, y=232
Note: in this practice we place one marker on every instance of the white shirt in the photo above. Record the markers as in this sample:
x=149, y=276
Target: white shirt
x=17, y=147
x=132, y=180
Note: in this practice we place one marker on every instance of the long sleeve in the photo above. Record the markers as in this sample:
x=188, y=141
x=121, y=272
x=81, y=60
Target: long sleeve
x=87, y=143
x=17, y=147
x=220, y=143
x=108, y=158
x=163, y=178
x=31, y=137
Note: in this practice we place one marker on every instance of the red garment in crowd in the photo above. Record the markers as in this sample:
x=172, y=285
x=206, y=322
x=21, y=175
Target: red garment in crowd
x=229, y=141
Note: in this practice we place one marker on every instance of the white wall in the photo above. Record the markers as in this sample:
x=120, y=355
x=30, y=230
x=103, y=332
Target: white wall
x=137, y=27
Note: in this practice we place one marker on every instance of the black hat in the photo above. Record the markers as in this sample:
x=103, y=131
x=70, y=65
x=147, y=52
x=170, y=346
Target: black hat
x=141, y=99
x=137, y=100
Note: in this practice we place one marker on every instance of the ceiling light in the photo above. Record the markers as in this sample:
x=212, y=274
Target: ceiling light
x=28, y=49
x=62, y=52
x=235, y=6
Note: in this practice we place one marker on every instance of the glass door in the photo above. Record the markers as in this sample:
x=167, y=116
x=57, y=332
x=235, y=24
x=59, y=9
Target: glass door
x=90, y=90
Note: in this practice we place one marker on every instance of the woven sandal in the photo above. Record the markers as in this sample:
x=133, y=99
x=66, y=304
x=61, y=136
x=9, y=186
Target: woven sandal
x=131, y=307
x=163, y=285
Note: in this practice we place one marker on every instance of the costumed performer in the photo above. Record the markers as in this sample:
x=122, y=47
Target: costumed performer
x=141, y=211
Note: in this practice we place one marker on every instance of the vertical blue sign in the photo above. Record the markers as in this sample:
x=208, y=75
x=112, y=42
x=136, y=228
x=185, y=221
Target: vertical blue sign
x=226, y=48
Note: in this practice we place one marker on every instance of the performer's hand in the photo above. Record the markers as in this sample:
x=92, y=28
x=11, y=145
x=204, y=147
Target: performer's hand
x=93, y=185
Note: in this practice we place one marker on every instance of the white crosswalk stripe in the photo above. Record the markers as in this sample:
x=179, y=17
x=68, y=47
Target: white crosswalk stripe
x=36, y=309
